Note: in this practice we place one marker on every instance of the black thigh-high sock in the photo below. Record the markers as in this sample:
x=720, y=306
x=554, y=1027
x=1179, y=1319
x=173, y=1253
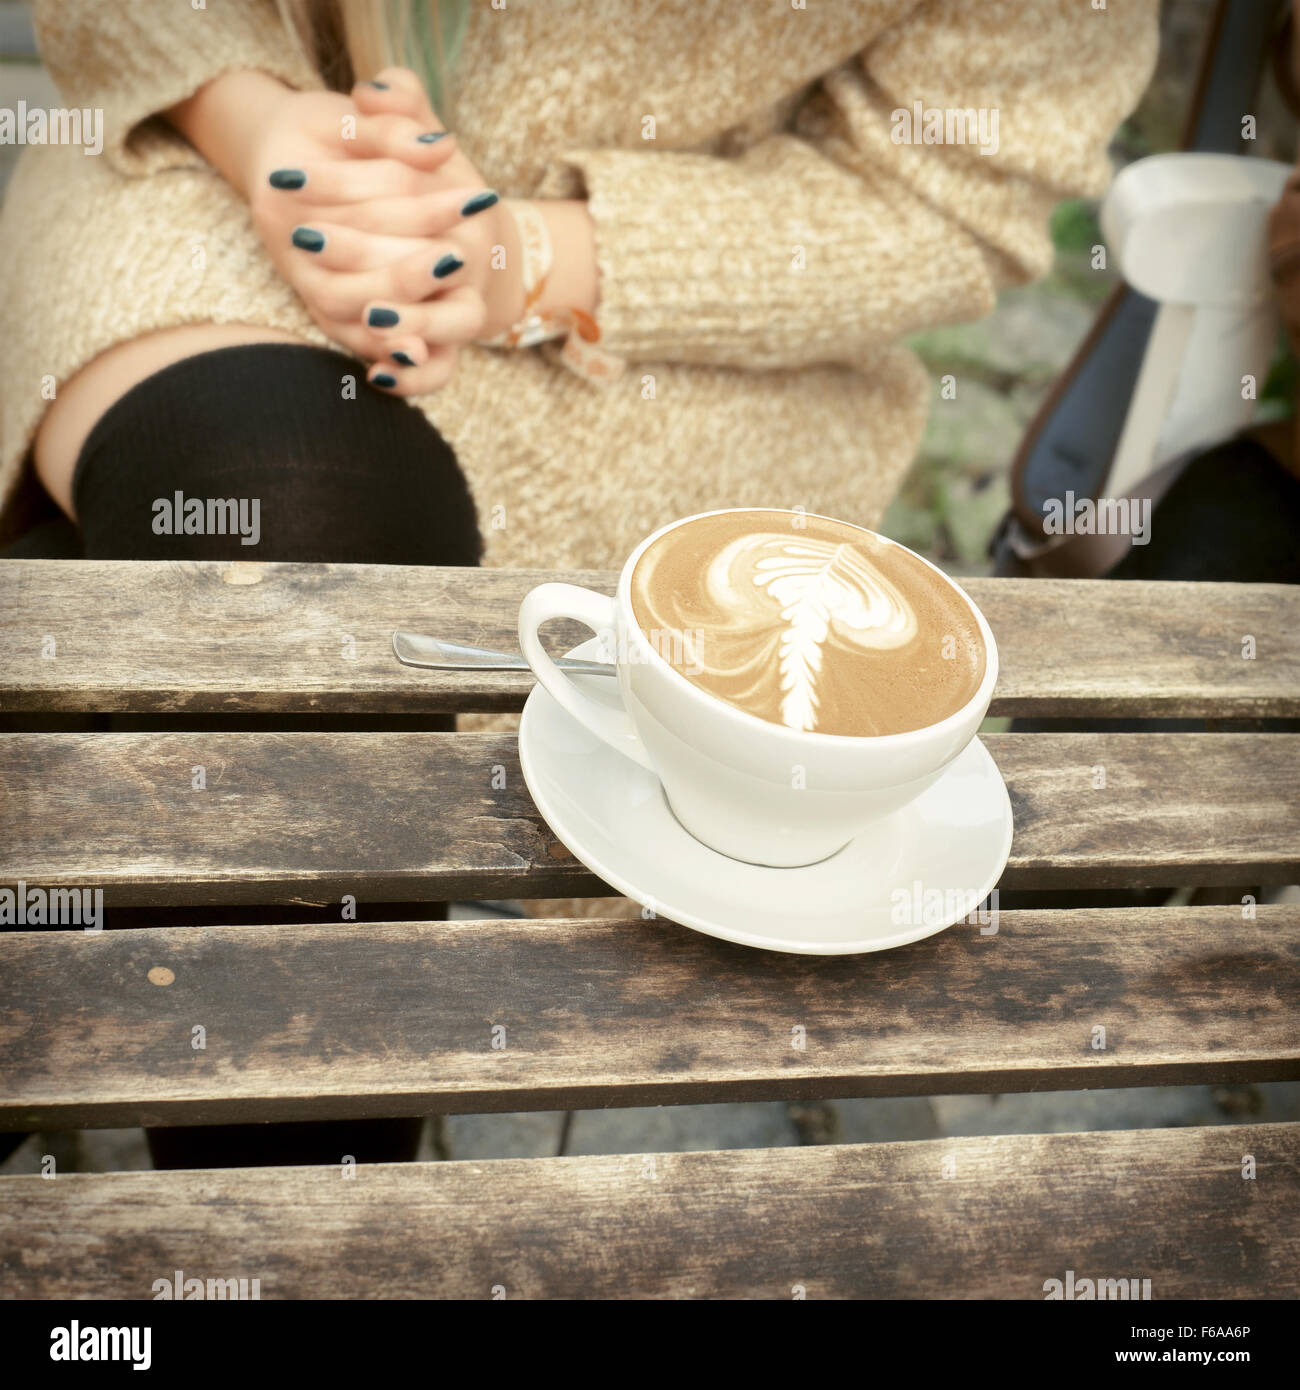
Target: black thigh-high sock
x=339, y=472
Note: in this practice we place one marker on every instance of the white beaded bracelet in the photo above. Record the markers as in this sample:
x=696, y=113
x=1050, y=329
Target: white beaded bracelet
x=578, y=330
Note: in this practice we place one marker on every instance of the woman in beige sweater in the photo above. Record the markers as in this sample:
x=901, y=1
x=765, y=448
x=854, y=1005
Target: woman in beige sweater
x=729, y=190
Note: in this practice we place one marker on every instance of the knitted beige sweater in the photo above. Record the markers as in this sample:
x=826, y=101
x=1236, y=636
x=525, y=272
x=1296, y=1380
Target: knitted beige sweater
x=752, y=382
x=759, y=257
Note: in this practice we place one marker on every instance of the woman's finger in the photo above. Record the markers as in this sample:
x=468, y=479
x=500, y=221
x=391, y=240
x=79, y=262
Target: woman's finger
x=408, y=352
x=405, y=366
x=351, y=337
x=431, y=375
x=454, y=318
x=334, y=246
x=399, y=137
x=421, y=215
x=436, y=265
x=396, y=90
x=337, y=182
x=410, y=369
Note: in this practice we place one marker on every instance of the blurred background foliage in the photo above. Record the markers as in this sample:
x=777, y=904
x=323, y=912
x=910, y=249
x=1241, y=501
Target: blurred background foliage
x=1004, y=365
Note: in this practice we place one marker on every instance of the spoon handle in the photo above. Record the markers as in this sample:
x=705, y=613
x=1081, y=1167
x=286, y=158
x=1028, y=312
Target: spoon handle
x=433, y=654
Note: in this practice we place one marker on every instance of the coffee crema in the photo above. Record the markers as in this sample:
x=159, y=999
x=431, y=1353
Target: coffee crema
x=808, y=622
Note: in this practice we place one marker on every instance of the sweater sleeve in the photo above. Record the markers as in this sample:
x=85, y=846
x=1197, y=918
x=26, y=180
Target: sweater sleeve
x=136, y=59
x=818, y=244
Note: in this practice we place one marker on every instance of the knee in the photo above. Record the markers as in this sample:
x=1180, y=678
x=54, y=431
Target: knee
x=92, y=391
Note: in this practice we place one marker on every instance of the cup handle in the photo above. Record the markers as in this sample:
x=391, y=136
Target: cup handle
x=596, y=611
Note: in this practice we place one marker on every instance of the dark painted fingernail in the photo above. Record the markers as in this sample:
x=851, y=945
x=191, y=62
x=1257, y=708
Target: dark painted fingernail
x=308, y=239
x=383, y=379
x=448, y=265
x=382, y=318
x=404, y=359
x=287, y=178
x=431, y=137
x=480, y=202
x=382, y=86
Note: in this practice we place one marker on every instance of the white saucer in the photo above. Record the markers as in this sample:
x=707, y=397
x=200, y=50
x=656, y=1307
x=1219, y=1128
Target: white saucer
x=612, y=815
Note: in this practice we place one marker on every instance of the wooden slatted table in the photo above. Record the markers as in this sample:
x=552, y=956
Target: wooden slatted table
x=359, y=1019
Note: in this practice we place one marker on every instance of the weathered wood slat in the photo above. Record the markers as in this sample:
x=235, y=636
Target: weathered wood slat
x=339, y=1020
x=173, y=637
x=952, y=1218
x=307, y=818
x=1187, y=809
x=159, y=636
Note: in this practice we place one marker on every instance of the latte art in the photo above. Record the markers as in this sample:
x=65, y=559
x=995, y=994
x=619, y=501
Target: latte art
x=810, y=623
x=802, y=594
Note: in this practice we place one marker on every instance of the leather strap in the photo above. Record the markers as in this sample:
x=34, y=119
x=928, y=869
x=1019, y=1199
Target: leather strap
x=1089, y=556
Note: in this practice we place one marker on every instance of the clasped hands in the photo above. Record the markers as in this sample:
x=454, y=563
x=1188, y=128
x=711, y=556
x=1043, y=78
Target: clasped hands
x=384, y=228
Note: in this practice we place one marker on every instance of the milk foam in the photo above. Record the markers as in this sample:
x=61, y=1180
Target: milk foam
x=818, y=625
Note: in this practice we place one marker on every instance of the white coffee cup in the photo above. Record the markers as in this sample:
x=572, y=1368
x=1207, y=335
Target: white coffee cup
x=749, y=788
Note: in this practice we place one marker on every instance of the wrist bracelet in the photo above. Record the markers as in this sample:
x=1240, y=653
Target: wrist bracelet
x=578, y=330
